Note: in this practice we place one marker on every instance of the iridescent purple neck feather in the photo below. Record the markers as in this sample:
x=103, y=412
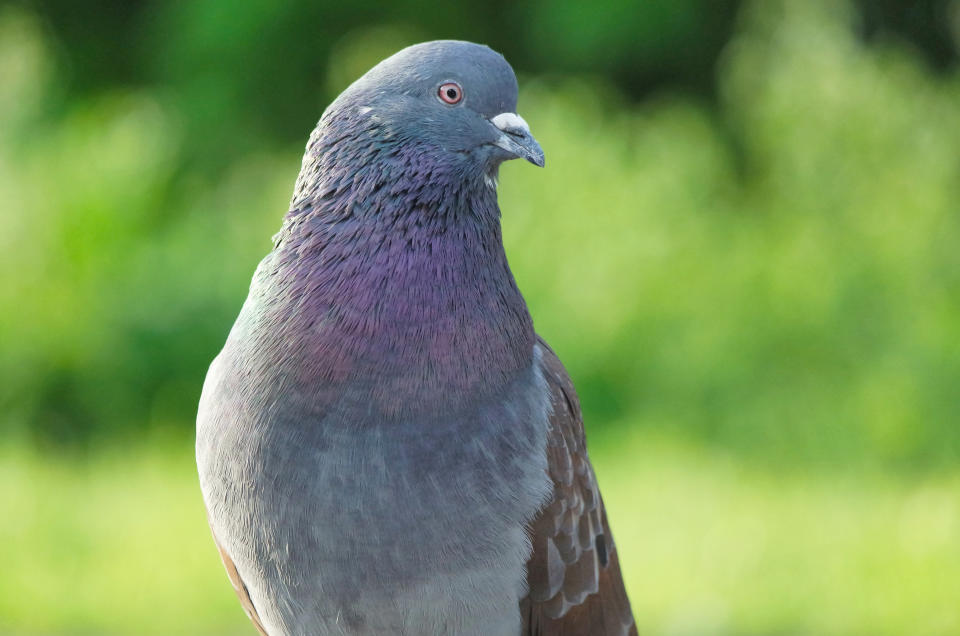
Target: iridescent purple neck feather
x=389, y=273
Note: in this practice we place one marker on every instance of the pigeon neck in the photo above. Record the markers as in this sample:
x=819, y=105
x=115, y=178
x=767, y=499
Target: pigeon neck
x=401, y=276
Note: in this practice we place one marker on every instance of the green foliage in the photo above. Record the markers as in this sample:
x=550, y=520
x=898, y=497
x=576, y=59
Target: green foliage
x=777, y=274
x=758, y=297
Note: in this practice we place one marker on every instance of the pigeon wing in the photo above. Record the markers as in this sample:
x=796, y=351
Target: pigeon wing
x=575, y=585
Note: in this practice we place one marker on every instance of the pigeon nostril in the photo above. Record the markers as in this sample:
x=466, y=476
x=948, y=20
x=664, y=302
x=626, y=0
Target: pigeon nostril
x=516, y=132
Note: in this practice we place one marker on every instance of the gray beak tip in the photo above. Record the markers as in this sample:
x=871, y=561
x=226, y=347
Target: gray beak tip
x=517, y=139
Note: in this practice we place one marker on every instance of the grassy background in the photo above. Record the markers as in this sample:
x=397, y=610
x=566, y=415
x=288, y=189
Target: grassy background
x=119, y=545
x=756, y=291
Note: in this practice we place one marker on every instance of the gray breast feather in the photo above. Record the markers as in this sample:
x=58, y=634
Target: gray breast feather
x=343, y=522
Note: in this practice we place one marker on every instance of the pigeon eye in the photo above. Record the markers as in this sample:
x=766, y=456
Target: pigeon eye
x=450, y=93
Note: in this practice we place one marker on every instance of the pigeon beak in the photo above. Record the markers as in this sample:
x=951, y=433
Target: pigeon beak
x=516, y=139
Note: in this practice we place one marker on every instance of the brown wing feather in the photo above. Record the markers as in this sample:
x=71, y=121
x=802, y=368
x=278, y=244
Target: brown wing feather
x=576, y=588
x=240, y=588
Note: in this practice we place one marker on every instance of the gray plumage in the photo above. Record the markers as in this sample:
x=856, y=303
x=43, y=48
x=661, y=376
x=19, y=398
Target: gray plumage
x=383, y=431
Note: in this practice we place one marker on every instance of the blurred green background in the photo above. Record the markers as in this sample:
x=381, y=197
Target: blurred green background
x=745, y=247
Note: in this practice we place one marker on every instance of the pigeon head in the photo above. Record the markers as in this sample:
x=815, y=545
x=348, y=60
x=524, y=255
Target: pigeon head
x=455, y=100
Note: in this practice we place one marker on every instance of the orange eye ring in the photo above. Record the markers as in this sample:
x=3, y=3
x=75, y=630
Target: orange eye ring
x=450, y=93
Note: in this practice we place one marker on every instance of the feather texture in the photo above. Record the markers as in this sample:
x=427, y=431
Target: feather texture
x=240, y=588
x=573, y=574
x=575, y=585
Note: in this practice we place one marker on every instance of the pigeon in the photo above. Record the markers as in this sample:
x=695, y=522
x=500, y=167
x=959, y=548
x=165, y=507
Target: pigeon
x=385, y=445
